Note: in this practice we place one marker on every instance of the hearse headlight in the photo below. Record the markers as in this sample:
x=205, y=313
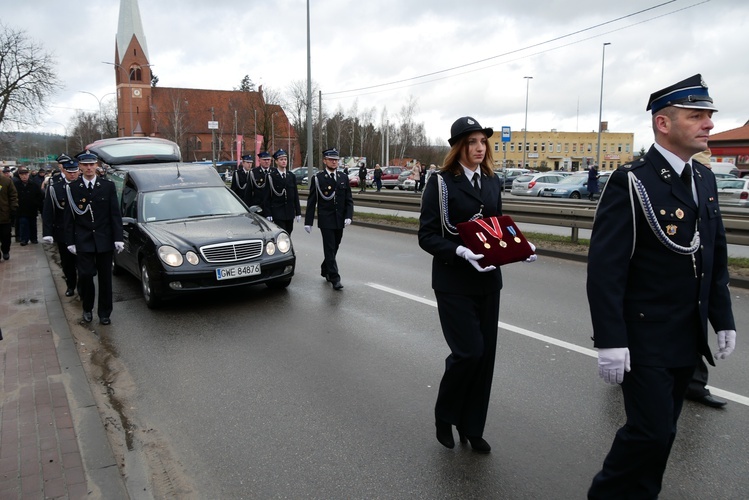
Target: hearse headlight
x=283, y=242
x=192, y=258
x=270, y=248
x=170, y=256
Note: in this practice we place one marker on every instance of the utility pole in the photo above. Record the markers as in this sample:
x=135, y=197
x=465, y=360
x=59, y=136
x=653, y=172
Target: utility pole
x=213, y=141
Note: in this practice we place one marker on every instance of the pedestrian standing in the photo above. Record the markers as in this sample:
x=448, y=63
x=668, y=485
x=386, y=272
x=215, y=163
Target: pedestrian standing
x=284, y=195
x=657, y=273
x=330, y=195
x=416, y=175
x=93, y=232
x=377, y=177
x=30, y=199
x=8, y=207
x=467, y=294
x=362, y=178
x=53, y=220
x=592, y=181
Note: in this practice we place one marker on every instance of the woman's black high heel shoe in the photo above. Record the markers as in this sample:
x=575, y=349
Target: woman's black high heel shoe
x=445, y=434
x=478, y=443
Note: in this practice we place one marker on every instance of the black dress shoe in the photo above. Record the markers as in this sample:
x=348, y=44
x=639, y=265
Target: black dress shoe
x=88, y=316
x=478, y=444
x=69, y=292
x=445, y=434
x=337, y=286
x=105, y=321
x=708, y=400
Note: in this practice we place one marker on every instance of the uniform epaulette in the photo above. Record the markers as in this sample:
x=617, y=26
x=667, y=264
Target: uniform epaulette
x=634, y=164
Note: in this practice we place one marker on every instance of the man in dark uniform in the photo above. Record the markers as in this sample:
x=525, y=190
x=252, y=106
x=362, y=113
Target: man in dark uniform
x=330, y=193
x=240, y=177
x=657, y=272
x=53, y=219
x=30, y=198
x=93, y=231
x=284, y=195
x=256, y=192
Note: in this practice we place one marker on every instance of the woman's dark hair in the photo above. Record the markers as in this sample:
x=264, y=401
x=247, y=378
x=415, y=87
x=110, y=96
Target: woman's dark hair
x=452, y=160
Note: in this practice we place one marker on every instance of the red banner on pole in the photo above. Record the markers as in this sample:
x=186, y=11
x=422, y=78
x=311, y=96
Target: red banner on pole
x=258, y=144
x=239, y=149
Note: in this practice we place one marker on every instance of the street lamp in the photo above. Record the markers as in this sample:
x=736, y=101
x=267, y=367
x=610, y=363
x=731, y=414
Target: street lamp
x=101, y=113
x=525, y=129
x=600, y=108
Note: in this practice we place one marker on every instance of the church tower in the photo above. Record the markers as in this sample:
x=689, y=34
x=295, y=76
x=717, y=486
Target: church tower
x=132, y=74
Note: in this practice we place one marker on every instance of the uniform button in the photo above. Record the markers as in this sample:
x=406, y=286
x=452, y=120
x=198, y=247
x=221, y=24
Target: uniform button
x=642, y=315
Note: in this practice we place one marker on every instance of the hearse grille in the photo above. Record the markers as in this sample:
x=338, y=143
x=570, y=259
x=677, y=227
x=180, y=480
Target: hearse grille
x=232, y=252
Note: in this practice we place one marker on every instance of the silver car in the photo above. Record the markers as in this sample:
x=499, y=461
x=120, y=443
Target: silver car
x=733, y=192
x=533, y=184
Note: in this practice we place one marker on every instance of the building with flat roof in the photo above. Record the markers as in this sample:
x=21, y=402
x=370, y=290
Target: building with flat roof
x=731, y=146
x=569, y=151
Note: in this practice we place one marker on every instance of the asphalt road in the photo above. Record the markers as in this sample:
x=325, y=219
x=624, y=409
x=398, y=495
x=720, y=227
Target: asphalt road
x=312, y=393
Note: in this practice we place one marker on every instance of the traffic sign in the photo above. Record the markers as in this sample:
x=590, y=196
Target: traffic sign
x=506, y=134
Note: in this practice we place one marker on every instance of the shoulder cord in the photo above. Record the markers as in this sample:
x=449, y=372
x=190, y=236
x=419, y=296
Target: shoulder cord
x=53, y=194
x=647, y=210
x=273, y=189
x=74, y=207
x=254, y=181
x=319, y=190
x=445, y=217
x=239, y=185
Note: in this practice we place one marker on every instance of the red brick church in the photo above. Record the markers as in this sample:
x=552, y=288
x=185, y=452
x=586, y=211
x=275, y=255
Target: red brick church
x=183, y=114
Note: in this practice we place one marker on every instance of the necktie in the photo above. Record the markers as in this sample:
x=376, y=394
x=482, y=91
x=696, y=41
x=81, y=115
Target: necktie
x=476, y=183
x=686, y=177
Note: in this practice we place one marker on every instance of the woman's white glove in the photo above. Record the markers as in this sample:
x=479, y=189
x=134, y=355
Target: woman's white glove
x=612, y=363
x=346, y=222
x=473, y=259
x=726, y=343
x=533, y=257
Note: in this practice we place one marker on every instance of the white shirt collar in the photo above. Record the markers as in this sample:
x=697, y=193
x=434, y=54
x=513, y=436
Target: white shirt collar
x=676, y=163
x=470, y=173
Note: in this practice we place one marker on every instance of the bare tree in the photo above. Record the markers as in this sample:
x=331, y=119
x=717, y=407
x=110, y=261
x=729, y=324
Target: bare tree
x=27, y=78
x=296, y=98
x=407, y=129
x=85, y=130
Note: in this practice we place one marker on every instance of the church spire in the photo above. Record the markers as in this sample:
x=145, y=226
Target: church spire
x=129, y=26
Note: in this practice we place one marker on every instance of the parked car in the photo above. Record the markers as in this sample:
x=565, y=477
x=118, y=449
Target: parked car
x=733, y=192
x=301, y=174
x=509, y=175
x=185, y=231
x=575, y=186
x=390, y=176
x=724, y=168
x=532, y=184
x=403, y=176
x=409, y=184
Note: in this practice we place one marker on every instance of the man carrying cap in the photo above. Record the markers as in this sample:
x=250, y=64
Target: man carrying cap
x=53, y=220
x=284, y=196
x=256, y=192
x=330, y=194
x=93, y=231
x=657, y=273
x=241, y=176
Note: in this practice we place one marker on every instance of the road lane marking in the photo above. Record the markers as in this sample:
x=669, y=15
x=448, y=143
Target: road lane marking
x=738, y=398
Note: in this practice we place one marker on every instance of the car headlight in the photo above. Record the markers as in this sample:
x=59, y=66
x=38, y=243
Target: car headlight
x=283, y=242
x=192, y=258
x=170, y=256
x=270, y=248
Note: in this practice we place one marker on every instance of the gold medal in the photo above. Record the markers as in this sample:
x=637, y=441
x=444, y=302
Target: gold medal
x=679, y=214
x=487, y=245
x=671, y=229
x=482, y=237
x=517, y=239
x=502, y=243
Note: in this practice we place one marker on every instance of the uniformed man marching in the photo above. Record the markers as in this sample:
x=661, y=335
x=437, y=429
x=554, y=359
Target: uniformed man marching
x=657, y=273
x=284, y=196
x=93, y=231
x=53, y=218
x=330, y=194
x=256, y=192
x=241, y=176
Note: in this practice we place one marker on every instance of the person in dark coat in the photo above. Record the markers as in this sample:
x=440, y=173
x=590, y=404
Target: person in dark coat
x=8, y=207
x=93, y=232
x=53, y=220
x=592, y=181
x=467, y=294
x=30, y=199
x=362, y=177
x=330, y=195
x=240, y=177
x=256, y=193
x=284, y=195
x=657, y=273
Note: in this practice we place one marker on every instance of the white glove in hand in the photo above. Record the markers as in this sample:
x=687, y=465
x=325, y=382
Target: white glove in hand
x=270, y=218
x=119, y=246
x=473, y=259
x=726, y=343
x=346, y=222
x=298, y=219
x=308, y=229
x=71, y=249
x=48, y=239
x=612, y=363
x=533, y=257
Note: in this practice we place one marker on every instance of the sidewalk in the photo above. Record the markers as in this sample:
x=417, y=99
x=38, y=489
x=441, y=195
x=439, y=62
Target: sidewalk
x=52, y=441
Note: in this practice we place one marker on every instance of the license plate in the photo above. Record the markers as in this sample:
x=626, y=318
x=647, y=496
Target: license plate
x=228, y=273
x=547, y=193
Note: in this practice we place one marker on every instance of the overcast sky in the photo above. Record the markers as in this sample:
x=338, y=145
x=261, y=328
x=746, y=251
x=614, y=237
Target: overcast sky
x=370, y=45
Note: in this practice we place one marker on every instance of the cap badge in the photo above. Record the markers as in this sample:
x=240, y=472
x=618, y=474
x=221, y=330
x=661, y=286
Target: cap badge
x=671, y=229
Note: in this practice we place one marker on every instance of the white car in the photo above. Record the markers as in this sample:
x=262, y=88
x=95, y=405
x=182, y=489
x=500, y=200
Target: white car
x=533, y=184
x=733, y=192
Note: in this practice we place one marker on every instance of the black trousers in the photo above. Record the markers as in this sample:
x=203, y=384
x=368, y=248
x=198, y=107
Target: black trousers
x=331, y=240
x=5, y=238
x=68, y=264
x=286, y=225
x=92, y=264
x=699, y=380
x=469, y=324
x=653, y=398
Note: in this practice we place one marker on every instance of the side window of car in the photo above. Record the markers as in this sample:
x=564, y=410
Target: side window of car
x=129, y=199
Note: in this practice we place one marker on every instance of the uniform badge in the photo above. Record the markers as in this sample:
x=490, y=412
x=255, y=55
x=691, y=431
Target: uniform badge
x=671, y=229
x=679, y=214
x=80, y=206
x=83, y=200
x=663, y=212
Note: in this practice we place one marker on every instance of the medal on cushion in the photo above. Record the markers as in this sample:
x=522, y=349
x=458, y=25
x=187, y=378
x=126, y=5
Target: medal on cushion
x=494, y=230
x=482, y=237
x=512, y=231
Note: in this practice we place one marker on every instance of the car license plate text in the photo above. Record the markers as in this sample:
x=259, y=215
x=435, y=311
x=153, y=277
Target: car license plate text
x=227, y=273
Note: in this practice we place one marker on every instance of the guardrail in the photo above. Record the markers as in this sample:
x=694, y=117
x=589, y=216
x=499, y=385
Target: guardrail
x=573, y=214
